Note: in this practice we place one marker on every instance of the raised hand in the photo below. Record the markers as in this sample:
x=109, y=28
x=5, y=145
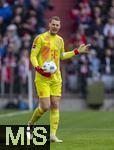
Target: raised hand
x=84, y=48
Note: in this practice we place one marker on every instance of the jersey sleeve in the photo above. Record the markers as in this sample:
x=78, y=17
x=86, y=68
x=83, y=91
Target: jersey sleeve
x=65, y=55
x=36, y=46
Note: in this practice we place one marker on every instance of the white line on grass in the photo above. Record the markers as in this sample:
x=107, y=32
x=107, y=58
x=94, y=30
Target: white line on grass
x=14, y=114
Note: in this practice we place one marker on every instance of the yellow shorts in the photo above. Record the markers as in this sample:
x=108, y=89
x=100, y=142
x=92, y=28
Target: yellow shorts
x=48, y=88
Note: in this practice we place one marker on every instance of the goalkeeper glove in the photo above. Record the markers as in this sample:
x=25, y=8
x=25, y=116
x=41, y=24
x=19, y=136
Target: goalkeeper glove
x=82, y=49
x=42, y=72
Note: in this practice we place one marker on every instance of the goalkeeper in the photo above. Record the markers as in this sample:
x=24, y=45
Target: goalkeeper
x=50, y=46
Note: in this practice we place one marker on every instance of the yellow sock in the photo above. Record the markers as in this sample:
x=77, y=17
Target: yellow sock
x=36, y=115
x=54, y=120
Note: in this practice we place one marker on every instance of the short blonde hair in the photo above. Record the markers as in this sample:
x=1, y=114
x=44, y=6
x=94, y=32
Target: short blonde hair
x=57, y=18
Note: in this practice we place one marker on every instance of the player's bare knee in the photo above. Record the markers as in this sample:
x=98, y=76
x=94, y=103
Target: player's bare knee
x=45, y=104
x=54, y=104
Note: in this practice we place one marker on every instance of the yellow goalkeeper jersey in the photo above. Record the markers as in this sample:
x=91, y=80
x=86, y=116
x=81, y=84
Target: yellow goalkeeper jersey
x=48, y=47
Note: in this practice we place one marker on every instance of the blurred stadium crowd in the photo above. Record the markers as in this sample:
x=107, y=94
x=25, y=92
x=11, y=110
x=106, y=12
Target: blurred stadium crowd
x=92, y=21
x=20, y=21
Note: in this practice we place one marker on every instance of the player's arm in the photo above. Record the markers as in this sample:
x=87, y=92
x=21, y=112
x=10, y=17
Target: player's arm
x=36, y=47
x=81, y=50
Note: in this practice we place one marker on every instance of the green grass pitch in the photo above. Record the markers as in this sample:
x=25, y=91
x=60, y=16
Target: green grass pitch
x=88, y=130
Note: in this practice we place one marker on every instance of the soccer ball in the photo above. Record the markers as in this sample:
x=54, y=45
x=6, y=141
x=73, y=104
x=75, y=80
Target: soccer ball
x=49, y=66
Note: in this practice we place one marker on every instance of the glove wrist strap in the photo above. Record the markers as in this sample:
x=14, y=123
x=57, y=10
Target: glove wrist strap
x=76, y=51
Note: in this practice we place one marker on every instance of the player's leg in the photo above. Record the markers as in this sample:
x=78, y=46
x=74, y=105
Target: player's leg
x=43, y=91
x=54, y=110
x=44, y=104
x=54, y=114
x=54, y=118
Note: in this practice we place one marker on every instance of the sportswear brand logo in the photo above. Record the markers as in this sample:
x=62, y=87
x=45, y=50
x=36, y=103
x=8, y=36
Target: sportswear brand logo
x=33, y=46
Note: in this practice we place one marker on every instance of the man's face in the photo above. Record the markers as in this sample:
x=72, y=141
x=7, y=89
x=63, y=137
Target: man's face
x=54, y=26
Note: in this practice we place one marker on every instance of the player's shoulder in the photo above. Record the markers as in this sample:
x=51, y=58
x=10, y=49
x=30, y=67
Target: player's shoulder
x=59, y=37
x=42, y=35
x=38, y=37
